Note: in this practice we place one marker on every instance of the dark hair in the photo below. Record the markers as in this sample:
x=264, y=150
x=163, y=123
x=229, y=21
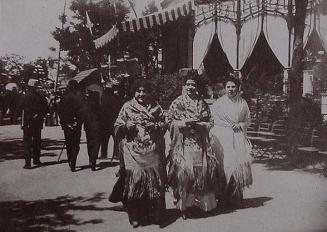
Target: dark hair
x=191, y=75
x=232, y=79
x=141, y=83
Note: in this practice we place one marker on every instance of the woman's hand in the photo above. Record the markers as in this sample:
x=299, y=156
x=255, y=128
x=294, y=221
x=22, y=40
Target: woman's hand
x=130, y=126
x=237, y=127
x=190, y=122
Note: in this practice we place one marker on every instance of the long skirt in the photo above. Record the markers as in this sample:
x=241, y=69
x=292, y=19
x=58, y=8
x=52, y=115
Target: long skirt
x=236, y=151
x=195, y=180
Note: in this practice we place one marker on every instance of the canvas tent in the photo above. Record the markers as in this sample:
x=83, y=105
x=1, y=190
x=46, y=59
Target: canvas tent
x=259, y=16
x=237, y=23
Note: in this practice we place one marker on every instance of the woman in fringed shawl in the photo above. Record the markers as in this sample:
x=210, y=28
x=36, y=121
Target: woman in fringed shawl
x=194, y=171
x=141, y=127
x=231, y=118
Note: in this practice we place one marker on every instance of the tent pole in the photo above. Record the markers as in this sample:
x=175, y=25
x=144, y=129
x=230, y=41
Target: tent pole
x=216, y=14
x=290, y=26
x=263, y=13
x=238, y=32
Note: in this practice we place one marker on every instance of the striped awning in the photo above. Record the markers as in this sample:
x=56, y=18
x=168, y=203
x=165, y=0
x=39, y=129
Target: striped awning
x=160, y=18
x=186, y=7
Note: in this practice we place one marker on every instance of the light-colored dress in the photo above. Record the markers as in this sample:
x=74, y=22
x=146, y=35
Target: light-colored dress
x=236, y=147
x=193, y=169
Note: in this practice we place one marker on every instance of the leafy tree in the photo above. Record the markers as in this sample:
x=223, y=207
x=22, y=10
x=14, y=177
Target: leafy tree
x=11, y=68
x=76, y=38
x=298, y=53
x=145, y=44
x=150, y=8
x=295, y=124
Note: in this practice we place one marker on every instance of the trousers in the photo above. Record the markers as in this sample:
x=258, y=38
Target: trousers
x=72, y=141
x=32, y=143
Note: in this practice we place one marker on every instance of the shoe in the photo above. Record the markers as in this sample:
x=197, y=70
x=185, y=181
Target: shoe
x=184, y=215
x=37, y=162
x=72, y=168
x=93, y=166
x=27, y=166
x=135, y=224
x=103, y=157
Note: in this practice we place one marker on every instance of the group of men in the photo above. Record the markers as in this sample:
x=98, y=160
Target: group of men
x=76, y=108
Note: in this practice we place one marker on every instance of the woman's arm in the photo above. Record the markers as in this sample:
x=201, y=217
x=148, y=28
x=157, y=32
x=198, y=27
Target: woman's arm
x=123, y=125
x=245, y=121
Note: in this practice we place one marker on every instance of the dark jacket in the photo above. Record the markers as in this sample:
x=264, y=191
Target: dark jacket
x=35, y=108
x=110, y=107
x=91, y=115
x=69, y=110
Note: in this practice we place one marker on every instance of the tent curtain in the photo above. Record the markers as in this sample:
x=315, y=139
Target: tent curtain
x=322, y=25
x=308, y=27
x=277, y=35
x=249, y=36
x=227, y=38
x=202, y=41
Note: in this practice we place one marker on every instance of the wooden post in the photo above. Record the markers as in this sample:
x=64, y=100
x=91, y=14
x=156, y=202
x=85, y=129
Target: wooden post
x=238, y=33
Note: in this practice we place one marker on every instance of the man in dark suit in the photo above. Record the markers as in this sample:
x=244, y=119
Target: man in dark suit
x=71, y=121
x=111, y=103
x=91, y=117
x=35, y=108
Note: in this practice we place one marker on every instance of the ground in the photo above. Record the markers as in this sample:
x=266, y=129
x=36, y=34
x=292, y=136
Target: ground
x=52, y=198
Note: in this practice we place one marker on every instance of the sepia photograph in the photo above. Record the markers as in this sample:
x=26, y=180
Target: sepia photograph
x=163, y=115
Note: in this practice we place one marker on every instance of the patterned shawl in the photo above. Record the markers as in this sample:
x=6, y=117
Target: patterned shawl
x=141, y=147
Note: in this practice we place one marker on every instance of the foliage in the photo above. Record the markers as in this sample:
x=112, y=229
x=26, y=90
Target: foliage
x=167, y=86
x=11, y=67
x=267, y=108
x=145, y=44
x=150, y=8
x=76, y=38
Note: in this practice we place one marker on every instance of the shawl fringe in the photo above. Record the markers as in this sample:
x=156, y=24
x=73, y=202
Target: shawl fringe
x=243, y=175
x=183, y=179
x=143, y=184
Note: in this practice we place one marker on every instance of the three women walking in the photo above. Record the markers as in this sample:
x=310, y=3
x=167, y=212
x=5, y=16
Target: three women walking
x=209, y=154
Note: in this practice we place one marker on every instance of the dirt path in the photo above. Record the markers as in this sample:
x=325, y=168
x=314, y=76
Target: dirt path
x=51, y=198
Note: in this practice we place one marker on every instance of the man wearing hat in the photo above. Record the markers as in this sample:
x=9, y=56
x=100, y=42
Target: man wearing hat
x=71, y=121
x=35, y=108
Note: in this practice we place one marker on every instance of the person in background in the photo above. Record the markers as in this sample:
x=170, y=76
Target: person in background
x=194, y=171
x=140, y=128
x=13, y=104
x=69, y=111
x=92, y=125
x=111, y=103
x=35, y=108
x=231, y=118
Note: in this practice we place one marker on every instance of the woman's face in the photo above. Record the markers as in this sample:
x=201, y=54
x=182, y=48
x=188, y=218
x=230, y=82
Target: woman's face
x=231, y=89
x=141, y=95
x=190, y=87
